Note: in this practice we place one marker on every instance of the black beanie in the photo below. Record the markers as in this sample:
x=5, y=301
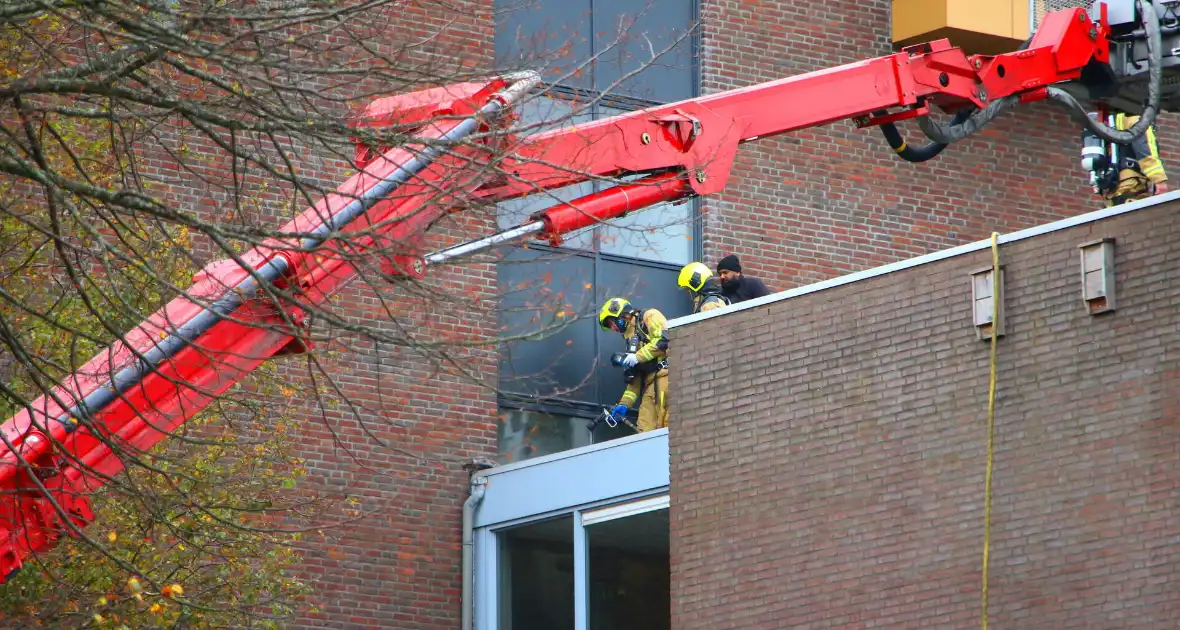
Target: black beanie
x=730, y=263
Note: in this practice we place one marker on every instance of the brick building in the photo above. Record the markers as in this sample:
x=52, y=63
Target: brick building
x=829, y=472
x=799, y=209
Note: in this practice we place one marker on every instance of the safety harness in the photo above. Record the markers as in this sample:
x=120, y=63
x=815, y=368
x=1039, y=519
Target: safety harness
x=641, y=338
x=642, y=370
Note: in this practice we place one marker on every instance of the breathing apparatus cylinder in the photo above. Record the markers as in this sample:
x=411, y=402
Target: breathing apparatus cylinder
x=616, y=359
x=1100, y=160
x=1094, y=158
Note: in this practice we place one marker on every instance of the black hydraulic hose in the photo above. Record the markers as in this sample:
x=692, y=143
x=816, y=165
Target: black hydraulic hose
x=911, y=153
x=955, y=132
x=1154, y=73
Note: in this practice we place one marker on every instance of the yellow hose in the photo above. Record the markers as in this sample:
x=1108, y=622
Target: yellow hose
x=991, y=419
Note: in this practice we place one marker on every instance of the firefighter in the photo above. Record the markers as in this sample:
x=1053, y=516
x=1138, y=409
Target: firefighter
x=645, y=362
x=702, y=287
x=1140, y=172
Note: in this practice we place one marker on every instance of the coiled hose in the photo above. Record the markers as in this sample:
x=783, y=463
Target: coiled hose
x=946, y=134
x=911, y=153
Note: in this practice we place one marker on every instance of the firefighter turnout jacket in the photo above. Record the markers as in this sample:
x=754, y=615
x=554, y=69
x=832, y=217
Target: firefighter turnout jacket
x=650, y=383
x=1145, y=171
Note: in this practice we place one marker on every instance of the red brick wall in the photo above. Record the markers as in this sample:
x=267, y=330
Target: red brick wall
x=420, y=417
x=825, y=202
x=828, y=465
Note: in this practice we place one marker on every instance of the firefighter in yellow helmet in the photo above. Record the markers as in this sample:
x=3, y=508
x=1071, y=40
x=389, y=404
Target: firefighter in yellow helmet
x=1132, y=171
x=698, y=279
x=645, y=362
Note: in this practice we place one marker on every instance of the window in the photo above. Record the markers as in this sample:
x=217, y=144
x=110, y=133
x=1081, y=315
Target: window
x=598, y=58
x=536, y=584
x=622, y=49
x=630, y=574
x=524, y=432
x=583, y=571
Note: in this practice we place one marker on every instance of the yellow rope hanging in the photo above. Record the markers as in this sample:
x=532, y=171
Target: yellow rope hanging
x=991, y=419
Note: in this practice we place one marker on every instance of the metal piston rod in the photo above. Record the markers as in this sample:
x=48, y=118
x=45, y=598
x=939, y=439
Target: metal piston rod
x=561, y=220
x=471, y=247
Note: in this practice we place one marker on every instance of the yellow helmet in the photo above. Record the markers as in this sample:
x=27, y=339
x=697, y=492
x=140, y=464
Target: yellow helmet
x=693, y=276
x=613, y=309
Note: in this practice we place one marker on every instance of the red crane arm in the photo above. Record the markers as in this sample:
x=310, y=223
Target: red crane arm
x=700, y=136
x=64, y=445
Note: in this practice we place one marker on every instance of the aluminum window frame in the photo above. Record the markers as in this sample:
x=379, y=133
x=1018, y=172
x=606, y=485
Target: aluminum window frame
x=618, y=476
x=488, y=541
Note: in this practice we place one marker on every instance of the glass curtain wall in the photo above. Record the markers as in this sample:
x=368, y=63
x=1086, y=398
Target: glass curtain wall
x=599, y=58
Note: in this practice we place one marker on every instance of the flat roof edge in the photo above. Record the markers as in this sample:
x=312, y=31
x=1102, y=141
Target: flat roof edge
x=574, y=452
x=874, y=272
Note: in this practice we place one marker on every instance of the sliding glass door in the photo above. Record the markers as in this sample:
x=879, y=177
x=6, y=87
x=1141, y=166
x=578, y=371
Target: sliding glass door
x=604, y=568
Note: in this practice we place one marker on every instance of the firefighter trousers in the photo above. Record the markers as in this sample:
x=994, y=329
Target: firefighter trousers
x=653, y=405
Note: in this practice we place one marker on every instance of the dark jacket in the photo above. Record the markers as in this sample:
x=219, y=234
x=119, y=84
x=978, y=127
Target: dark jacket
x=744, y=288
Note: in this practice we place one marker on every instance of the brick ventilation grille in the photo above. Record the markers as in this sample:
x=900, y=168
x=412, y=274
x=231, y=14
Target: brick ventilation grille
x=1041, y=7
